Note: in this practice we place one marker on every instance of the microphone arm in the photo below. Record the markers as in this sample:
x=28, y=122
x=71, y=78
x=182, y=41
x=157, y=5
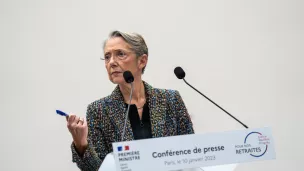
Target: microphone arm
x=215, y=104
x=127, y=113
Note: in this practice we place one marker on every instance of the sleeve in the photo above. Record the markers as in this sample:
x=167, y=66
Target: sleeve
x=184, y=123
x=97, y=147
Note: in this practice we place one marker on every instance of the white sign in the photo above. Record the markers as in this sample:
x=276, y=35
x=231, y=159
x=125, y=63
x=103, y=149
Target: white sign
x=195, y=150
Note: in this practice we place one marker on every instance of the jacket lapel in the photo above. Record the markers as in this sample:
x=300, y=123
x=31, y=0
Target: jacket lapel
x=117, y=114
x=157, y=107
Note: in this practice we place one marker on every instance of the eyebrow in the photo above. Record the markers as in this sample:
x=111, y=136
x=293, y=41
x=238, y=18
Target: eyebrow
x=115, y=50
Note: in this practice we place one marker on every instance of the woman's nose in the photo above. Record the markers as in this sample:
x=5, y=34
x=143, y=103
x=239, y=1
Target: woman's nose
x=112, y=61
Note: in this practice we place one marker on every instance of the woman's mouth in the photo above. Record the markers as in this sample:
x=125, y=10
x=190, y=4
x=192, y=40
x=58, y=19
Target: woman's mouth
x=115, y=73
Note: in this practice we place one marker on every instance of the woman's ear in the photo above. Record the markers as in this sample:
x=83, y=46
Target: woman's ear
x=142, y=61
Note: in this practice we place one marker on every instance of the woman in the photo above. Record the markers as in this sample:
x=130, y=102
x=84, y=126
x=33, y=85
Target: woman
x=153, y=112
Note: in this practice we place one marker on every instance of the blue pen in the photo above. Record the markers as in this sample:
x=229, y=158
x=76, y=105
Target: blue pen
x=59, y=112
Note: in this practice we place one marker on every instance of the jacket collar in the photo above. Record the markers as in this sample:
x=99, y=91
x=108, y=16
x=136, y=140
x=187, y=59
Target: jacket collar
x=117, y=95
x=157, y=108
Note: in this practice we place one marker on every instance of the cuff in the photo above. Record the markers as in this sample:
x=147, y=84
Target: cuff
x=89, y=159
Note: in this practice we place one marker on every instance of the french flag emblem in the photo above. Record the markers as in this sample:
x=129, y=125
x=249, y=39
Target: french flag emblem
x=123, y=148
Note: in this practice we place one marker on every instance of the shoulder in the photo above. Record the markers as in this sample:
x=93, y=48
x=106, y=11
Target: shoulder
x=162, y=92
x=169, y=94
x=171, y=97
x=98, y=105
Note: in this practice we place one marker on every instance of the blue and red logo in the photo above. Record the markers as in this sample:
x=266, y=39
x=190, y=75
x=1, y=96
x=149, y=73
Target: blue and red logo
x=261, y=144
x=123, y=148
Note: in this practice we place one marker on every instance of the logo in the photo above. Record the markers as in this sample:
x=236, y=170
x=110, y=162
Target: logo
x=262, y=140
x=123, y=148
x=125, y=154
x=255, y=144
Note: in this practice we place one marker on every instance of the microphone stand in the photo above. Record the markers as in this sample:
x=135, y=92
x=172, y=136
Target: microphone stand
x=216, y=104
x=127, y=112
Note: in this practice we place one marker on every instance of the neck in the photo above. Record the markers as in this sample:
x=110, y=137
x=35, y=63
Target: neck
x=138, y=91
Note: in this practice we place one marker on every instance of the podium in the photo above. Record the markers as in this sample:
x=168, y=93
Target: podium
x=109, y=165
x=194, y=152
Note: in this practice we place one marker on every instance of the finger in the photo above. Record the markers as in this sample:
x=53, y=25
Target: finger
x=85, y=123
x=81, y=121
x=71, y=118
x=76, y=121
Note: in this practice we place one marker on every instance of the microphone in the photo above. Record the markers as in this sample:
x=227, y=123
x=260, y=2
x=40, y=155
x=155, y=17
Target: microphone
x=128, y=76
x=129, y=79
x=180, y=74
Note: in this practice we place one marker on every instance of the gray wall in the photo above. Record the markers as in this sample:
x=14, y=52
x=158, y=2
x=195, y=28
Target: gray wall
x=245, y=55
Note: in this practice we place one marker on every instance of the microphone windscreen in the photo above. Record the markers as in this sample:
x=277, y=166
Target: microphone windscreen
x=179, y=72
x=128, y=76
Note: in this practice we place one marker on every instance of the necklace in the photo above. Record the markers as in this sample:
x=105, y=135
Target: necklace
x=142, y=106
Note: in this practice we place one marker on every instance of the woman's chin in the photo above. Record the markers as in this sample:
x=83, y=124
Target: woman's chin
x=118, y=80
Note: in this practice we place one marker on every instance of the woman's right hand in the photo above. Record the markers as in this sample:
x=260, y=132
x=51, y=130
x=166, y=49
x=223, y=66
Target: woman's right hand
x=79, y=129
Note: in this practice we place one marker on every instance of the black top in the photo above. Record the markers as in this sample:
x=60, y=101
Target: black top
x=141, y=128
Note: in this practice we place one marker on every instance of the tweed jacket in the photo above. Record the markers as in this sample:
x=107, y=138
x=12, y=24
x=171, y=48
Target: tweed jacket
x=105, y=118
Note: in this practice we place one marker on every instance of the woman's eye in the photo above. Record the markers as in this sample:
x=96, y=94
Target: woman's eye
x=107, y=57
x=120, y=53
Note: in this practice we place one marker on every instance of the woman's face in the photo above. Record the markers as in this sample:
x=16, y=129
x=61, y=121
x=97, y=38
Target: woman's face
x=119, y=57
